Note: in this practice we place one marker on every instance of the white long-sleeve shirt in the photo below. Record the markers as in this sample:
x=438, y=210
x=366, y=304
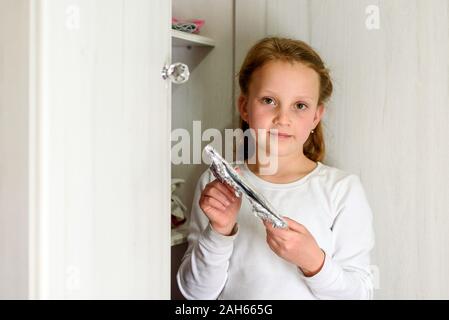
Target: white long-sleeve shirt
x=329, y=202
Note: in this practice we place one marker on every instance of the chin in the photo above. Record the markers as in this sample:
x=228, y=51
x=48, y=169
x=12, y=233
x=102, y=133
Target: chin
x=284, y=151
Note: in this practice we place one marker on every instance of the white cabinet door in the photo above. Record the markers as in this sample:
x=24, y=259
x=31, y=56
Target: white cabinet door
x=100, y=149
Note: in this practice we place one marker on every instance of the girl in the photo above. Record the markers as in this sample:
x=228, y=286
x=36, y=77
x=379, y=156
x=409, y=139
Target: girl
x=324, y=253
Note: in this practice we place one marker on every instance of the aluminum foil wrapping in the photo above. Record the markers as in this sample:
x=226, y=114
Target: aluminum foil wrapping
x=225, y=173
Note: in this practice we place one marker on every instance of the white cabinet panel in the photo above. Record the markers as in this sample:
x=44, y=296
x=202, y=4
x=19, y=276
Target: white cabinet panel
x=99, y=141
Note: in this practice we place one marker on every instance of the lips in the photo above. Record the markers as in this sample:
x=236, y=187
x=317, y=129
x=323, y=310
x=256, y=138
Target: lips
x=281, y=134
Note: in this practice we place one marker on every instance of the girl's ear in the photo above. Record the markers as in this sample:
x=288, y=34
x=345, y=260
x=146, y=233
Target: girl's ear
x=243, y=107
x=318, y=114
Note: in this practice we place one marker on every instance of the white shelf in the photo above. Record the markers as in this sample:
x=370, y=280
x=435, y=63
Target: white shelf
x=179, y=235
x=184, y=39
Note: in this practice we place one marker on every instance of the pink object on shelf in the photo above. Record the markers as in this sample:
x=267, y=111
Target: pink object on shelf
x=190, y=25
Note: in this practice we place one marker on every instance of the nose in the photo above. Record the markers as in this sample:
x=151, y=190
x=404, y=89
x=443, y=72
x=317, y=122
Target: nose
x=282, y=117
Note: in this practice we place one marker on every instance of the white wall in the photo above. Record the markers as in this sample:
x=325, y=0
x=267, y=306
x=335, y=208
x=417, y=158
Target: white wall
x=14, y=148
x=387, y=121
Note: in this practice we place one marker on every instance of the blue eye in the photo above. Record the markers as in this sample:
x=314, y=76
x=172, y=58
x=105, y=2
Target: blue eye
x=301, y=106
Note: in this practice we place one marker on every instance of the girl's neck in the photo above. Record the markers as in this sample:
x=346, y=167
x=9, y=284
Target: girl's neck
x=288, y=169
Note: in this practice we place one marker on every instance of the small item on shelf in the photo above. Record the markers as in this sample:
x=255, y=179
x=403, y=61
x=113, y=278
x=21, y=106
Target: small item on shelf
x=190, y=26
x=178, y=209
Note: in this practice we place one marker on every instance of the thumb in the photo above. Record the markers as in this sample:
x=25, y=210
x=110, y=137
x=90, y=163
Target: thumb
x=295, y=226
x=237, y=168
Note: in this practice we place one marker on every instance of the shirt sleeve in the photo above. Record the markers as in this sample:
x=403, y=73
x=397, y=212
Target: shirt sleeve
x=346, y=272
x=204, y=268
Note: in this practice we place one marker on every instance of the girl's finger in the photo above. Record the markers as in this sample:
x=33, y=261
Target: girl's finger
x=226, y=191
x=220, y=196
x=213, y=211
x=281, y=234
x=273, y=243
x=214, y=203
x=231, y=190
x=295, y=226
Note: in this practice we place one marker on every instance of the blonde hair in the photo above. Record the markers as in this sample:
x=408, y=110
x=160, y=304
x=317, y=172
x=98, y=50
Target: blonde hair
x=275, y=48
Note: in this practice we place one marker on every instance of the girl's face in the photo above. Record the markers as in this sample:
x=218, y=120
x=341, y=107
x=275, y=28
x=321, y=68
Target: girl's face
x=283, y=96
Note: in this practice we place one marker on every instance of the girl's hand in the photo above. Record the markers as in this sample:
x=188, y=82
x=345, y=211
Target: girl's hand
x=296, y=245
x=221, y=206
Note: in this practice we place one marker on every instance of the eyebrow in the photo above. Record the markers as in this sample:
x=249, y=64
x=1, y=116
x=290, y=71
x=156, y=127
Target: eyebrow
x=297, y=97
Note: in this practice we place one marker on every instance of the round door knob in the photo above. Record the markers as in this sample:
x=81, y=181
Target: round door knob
x=177, y=72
